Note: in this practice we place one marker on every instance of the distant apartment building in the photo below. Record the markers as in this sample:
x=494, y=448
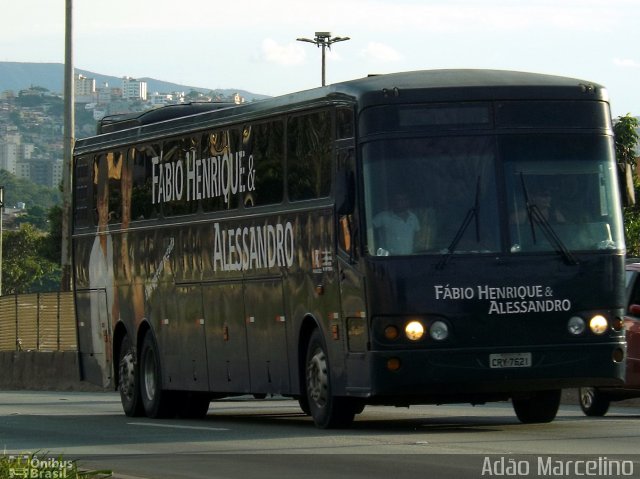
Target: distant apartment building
x=23, y=170
x=9, y=156
x=84, y=89
x=159, y=99
x=41, y=172
x=10, y=149
x=27, y=150
x=133, y=89
x=106, y=94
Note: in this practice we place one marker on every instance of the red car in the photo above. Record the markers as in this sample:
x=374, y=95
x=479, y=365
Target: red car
x=596, y=401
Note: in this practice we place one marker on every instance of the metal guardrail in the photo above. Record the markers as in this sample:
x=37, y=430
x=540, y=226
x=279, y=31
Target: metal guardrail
x=38, y=322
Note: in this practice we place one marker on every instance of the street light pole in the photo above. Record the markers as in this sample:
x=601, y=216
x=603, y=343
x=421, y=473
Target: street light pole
x=324, y=40
x=69, y=135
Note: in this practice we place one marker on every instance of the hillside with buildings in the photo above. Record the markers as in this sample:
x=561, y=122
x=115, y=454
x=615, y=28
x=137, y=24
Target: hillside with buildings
x=31, y=112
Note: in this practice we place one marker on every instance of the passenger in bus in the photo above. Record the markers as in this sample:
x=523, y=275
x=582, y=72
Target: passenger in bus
x=542, y=199
x=396, y=228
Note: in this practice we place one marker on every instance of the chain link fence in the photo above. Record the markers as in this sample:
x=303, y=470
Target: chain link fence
x=38, y=322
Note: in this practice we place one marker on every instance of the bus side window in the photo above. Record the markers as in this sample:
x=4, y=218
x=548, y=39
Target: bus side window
x=309, y=145
x=143, y=205
x=82, y=175
x=347, y=227
x=115, y=162
x=177, y=153
x=99, y=192
x=344, y=123
x=263, y=147
x=220, y=150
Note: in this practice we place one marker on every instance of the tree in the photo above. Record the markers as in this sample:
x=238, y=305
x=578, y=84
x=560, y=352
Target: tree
x=24, y=269
x=193, y=95
x=36, y=216
x=626, y=142
x=52, y=247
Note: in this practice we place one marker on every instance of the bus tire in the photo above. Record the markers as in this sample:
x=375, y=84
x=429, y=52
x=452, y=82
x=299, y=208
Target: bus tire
x=327, y=410
x=304, y=405
x=539, y=407
x=158, y=403
x=129, y=379
x=593, y=402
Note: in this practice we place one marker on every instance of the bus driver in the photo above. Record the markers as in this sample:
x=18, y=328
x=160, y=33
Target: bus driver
x=396, y=228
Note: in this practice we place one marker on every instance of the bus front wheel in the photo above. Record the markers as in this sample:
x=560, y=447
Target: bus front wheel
x=593, y=402
x=129, y=380
x=158, y=403
x=327, y=410
x=538, y=407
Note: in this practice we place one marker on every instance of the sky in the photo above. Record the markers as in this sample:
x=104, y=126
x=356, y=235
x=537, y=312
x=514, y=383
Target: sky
x=251, y=44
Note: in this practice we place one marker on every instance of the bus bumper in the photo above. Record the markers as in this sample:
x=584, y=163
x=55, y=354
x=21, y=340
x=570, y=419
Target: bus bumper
x=447, y=375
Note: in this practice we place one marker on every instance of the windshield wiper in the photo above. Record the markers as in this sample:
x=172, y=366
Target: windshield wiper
x=536, y=217
x=471, y=214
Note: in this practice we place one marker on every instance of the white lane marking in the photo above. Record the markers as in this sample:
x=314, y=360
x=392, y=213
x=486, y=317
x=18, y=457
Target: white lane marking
x=175, y=426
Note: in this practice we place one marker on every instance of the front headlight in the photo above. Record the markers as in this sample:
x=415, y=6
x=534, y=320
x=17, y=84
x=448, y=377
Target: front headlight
x=439, y=331
x=576, y=325
x=598, y=324
x=414, y=330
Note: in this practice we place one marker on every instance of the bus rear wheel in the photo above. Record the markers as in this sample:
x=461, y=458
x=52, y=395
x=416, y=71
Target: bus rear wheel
x=327, y=410
x=129, y=380
x=538, y=407
x=593, y=402
x=158, y=403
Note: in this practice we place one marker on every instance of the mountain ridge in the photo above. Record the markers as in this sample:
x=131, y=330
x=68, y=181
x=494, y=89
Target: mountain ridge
x=22, y=75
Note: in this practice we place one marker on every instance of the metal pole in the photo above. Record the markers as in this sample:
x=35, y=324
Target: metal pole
x=69, y=134
x=323, y=67
x=324, y=40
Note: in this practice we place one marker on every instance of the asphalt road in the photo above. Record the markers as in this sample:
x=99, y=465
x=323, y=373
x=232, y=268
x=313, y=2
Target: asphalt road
x=272, y=438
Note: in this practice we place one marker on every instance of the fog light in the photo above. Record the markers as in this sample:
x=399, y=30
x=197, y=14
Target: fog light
x=618, y=355
x=391, y=333
x=414, y=330
x=617, y=324
x=576, y=325
x=439, y=330
x=598, y=324
x=393, y=364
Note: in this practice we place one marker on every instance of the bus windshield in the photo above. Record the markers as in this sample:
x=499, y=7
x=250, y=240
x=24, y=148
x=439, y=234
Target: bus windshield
x=562, y=186
x=443, y=195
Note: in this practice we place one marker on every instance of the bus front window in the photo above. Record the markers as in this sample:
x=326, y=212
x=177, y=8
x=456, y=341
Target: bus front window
x=561, y=193
x=431, y=196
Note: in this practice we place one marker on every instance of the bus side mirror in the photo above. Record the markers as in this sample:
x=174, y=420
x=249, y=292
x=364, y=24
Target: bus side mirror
x=345, y=193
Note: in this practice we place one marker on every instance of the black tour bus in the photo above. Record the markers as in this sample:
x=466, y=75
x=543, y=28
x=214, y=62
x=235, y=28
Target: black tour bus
x=426, y=237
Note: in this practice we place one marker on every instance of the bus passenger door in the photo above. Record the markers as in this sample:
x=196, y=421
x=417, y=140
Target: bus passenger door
x=352, y=285
x=266, y=336
x=226, y=337
x=94, y=336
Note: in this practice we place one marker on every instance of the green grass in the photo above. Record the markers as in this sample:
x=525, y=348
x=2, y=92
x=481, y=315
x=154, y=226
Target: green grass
x=42, y=466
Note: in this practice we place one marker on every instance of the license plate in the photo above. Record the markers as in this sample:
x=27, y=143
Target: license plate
x=510, y=360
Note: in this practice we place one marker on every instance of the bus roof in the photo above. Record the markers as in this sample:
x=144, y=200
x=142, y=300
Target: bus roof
x=404, y=87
